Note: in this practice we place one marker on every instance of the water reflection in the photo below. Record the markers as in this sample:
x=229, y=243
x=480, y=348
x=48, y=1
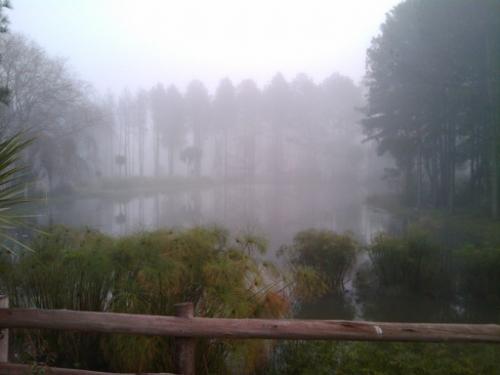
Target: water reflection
x=332, y=306
x=275, y=211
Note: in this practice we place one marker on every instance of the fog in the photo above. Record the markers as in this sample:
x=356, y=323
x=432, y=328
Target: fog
x=240, y=115
x=260, y=159
x=123, y=43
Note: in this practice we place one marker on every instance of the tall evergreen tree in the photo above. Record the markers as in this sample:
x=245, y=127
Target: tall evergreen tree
x=158, y=98
x=279, y=102
x=197, y=115
x=432, y=80
x=224, y=115
x=306, y=121
x=174, y=129
x=125, y=115
x=249, y=104
x=139, y=122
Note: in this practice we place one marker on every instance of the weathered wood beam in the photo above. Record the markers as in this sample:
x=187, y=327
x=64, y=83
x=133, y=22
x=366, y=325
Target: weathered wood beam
x=246, y=328
x=4, y=333
x=19, y=369
x=185, y=346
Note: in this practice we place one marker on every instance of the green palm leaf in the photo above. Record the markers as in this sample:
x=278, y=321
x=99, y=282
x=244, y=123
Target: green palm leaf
x=12, y=188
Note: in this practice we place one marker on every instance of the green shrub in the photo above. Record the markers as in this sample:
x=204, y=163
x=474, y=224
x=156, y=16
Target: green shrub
x=479, y=272
x=412, y=262
x=329, y=254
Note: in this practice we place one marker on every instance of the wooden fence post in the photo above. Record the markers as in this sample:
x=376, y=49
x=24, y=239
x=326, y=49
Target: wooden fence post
x=4, y=333
x=184, y=346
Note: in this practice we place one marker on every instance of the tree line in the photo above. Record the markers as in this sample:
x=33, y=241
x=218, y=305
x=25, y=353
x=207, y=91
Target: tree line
x=241, y=131
x=296, y=129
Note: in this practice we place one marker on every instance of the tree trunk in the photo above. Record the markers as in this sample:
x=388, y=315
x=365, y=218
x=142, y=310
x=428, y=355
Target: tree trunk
x=171, y=161
x=141, y=151
x=493, y=124
x=225, y=156
x=494, y=177
x=419, y=177
x=198, y=145
x=451, y=168
x=157, y=153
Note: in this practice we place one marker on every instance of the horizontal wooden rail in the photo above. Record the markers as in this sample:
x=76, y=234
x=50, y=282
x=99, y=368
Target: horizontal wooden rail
x=246, y=328
x=18, y=369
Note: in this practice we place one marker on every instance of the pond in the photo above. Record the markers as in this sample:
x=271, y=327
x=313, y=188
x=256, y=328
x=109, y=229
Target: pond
x=276, y=212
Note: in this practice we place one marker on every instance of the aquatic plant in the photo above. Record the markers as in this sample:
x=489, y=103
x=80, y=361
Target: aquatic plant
x=144, y=273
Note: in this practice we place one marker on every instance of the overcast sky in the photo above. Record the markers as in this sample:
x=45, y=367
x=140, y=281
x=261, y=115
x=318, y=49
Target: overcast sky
x=130, y=43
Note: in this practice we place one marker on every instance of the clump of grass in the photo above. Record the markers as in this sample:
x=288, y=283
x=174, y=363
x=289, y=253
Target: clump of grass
x=145, y=273
x=321, y=254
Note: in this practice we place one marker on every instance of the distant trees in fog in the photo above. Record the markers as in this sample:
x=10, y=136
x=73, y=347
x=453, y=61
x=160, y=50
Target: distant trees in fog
x=173, y=131
x=224, y=116
x=288, y=130
x=198, y=119
x=45, y=100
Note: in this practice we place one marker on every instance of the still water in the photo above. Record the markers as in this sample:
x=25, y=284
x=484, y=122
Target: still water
x=276, y=212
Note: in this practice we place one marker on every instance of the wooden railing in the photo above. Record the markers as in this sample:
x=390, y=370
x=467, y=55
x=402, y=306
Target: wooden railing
x=185, y=327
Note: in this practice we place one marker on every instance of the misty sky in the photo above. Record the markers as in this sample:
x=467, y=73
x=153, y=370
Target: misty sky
x=129, y=43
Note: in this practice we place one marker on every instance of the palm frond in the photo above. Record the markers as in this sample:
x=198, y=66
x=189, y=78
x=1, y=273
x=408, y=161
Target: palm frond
x=12, y=188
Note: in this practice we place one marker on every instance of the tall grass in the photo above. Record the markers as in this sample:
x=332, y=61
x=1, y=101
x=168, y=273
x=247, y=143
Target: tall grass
x=144, y=273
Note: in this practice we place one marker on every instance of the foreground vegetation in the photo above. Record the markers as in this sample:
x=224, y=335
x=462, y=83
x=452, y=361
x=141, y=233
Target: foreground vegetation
x=438, y=268
x=225, y=276
x=144, y=273
x=325, y=358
